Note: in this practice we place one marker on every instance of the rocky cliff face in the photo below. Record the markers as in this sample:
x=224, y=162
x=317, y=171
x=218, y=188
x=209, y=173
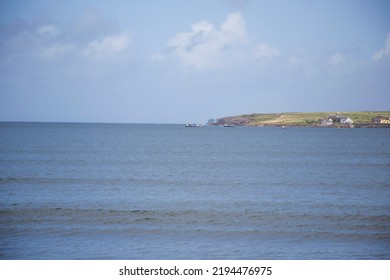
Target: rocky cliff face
x=237, y=121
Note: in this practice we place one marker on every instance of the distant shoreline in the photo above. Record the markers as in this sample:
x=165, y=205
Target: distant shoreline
x=361, y=119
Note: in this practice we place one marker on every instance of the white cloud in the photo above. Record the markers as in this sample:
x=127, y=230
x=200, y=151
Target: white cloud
x=383, y=52
x=107, y=46
x=234, y=28
x=200, y=32
x=266, y=51
x=206, y=46
x=49, y=42
x=50, y=30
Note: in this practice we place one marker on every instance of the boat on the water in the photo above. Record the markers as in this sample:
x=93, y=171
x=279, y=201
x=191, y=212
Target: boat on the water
x=192, y=125
x=228, y=125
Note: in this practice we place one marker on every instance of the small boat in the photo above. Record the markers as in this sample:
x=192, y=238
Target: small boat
x=192, y=125
x=228, y=125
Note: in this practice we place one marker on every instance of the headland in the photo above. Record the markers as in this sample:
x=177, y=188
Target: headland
x=313, y=119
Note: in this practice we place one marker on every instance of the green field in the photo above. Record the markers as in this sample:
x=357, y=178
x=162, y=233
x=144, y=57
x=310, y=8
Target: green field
x=300, y=119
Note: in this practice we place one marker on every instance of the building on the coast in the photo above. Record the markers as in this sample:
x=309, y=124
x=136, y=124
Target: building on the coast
x=346, y=120
x=327, y=122
x=381, y=120
x=336, y=119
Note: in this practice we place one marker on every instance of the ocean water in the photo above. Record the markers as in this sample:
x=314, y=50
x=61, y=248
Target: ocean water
x=132, y=191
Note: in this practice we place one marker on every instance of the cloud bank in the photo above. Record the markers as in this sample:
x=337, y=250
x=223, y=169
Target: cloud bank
x=206, y=46
x=89, y=36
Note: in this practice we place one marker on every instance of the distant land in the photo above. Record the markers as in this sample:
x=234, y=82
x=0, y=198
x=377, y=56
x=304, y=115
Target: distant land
x=315, y=119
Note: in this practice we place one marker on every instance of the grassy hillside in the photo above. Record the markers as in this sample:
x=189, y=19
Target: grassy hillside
x=299, y=119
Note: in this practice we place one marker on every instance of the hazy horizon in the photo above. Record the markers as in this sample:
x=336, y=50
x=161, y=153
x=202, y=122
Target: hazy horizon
x=172, y=123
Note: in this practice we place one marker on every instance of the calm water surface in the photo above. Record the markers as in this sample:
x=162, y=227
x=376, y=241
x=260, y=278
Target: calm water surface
x=127, y=191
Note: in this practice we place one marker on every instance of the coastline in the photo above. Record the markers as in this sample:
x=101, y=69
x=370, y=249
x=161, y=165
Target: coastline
x=361, y=119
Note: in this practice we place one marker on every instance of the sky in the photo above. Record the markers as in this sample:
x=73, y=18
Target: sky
x=178, y=61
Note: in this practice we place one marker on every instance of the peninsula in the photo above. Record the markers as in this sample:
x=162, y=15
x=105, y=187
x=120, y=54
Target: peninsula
x=315, y=119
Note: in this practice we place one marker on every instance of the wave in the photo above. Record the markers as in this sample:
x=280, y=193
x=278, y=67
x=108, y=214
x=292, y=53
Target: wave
x=370, y=226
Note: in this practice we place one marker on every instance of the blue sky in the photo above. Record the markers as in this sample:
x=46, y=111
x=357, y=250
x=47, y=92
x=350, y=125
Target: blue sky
x=178, y=61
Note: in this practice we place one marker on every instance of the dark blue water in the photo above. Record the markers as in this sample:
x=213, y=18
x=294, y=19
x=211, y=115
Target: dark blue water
x=127, y=191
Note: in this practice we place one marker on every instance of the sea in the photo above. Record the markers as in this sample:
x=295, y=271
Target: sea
x=157, y=191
